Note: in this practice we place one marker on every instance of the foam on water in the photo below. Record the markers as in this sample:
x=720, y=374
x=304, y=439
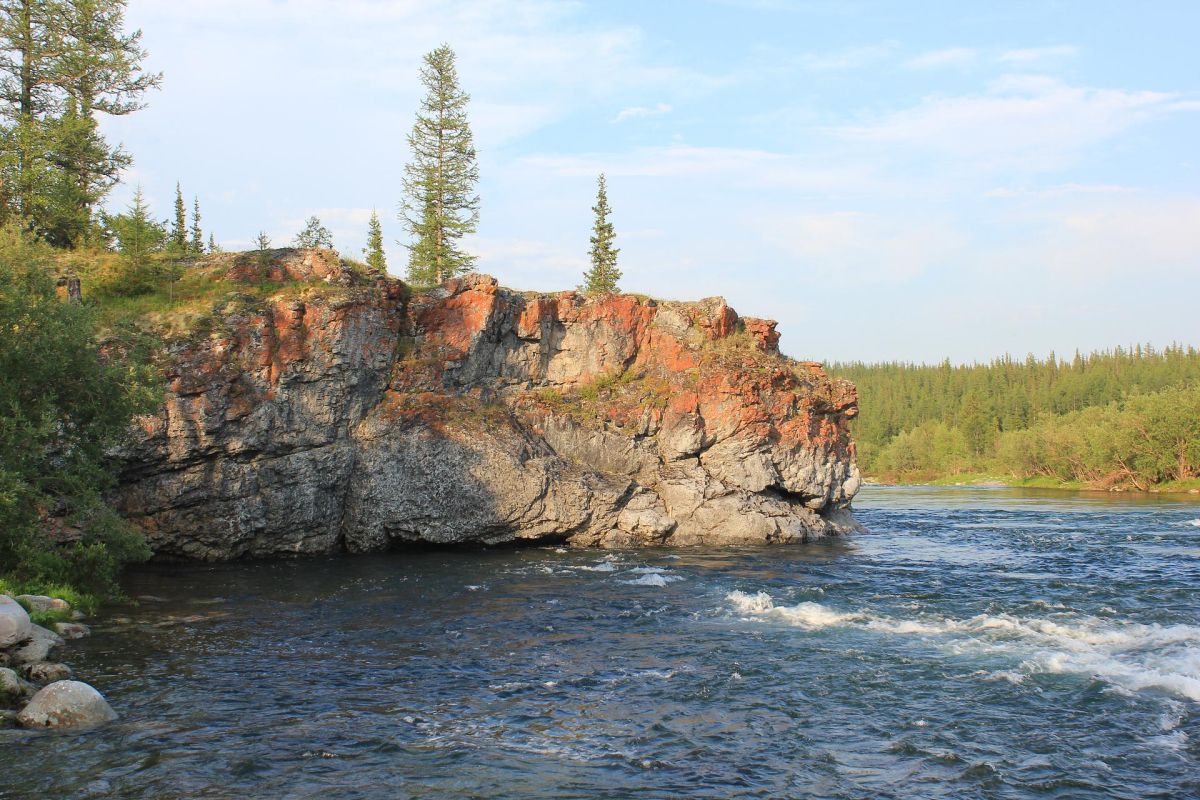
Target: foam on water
x=1130, y=655
x=652, y=579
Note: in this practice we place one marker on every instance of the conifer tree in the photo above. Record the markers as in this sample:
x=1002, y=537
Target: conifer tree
x=603, y=276
x=61, y=62
x=440, y=205
x=213, y=247
x=179, y=226
x=196, y=245
x=374, y=249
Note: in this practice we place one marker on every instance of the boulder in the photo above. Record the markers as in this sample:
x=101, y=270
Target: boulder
x=44, y=672
x=13, y=689
x=71, y=630
x=43, y=604
x=36, y=647
x=14, y=622
x=66, y=704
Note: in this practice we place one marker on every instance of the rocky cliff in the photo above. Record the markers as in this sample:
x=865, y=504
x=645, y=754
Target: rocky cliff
x=320, y=408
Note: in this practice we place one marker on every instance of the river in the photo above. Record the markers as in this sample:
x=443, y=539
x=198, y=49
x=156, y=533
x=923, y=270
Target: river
x=987, y=643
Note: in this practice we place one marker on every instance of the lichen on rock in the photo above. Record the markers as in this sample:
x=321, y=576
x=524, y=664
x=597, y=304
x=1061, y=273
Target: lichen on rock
x=314, y=421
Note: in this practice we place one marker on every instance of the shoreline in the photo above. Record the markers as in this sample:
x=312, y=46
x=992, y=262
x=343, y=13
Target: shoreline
x=984, y=481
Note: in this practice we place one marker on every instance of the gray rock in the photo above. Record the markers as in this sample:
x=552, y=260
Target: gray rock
x=43, y=604
x=65, y=705
x=13, y=688
x=44, y=672
x=37, y=647
x=378, y=418
x=71, y=630
x=14, y=622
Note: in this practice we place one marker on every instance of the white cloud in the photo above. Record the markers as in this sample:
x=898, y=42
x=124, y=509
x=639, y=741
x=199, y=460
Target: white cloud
x=1031, y=54
x=847, y=58
x=1029, y=123
x=858, y=248
x=946, y=57
x=643, y=111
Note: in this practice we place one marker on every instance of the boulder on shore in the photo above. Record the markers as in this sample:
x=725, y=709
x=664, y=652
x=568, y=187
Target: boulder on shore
x=14, y=622
x=37, y=646
x=43, y=604
x=13, y=690
x=66, y=704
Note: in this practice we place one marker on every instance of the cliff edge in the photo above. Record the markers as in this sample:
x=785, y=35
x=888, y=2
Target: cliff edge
x=318, y=407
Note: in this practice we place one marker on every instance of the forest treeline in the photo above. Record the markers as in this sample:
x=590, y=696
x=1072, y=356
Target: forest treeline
x=1123, y=418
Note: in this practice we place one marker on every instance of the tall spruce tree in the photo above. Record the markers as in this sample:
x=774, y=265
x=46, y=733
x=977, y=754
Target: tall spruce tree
x=196, y=245
x=374, y=249
x=179, y=230
x=440, y=205
x=603, y=276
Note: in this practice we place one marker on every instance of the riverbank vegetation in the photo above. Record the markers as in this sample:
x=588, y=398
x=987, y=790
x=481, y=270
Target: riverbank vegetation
x=1128, y=418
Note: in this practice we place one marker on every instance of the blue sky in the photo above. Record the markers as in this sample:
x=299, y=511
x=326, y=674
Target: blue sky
x=889, y=180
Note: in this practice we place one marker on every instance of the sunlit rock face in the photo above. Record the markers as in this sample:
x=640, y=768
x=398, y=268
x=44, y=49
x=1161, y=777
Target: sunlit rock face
x=349, y=412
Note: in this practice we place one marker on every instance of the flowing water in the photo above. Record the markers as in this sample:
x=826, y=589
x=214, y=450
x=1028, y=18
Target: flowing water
x=977, y=643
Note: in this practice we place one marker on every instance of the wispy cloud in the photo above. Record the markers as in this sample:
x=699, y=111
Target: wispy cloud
x=1031, y=54
x=1031, y=123
x=847, y=58
x=632, y=112
x=946, y=57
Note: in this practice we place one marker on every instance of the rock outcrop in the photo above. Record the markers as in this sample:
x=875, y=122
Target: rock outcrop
x=347, y=412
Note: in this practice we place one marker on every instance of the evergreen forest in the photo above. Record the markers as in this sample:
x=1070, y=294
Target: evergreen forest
x=1125, y=418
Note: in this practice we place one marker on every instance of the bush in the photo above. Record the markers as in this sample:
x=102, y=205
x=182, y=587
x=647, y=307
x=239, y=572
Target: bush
x=63, y=407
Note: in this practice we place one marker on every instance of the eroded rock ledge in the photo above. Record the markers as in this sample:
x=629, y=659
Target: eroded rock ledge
x=346, y=412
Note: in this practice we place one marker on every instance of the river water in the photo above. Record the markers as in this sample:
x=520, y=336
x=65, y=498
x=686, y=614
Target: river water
x=977, y=643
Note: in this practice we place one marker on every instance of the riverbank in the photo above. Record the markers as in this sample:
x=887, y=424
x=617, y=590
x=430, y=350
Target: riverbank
x=37, y=691
x=988, y=480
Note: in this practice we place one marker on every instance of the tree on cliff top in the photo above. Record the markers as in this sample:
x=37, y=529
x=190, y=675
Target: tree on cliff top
x=179, y=229
x=603, y=276
x=440, y=205
x=314, y=235
x=374, y=249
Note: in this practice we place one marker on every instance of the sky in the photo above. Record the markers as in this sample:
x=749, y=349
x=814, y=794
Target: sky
x=906, y=181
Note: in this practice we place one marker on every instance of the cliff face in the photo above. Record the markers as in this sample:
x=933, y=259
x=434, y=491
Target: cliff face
x=343, y=412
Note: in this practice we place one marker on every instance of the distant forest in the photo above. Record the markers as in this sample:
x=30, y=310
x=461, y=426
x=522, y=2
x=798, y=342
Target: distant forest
x=1125, y=418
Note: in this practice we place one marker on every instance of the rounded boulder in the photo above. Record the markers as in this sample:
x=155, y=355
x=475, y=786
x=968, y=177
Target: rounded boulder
x=14, y=622
x=66, y=704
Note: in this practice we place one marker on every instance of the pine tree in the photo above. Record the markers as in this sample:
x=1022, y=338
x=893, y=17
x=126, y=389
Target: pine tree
x=603, y=276
x=179, y=227
x=440, y=204
x=374, y=249
x=196, y=245
x=314, y=235
x=213, y=247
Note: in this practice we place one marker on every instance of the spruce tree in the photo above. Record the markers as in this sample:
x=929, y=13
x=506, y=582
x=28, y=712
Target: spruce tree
x=179, y=229
x=213, y=247
x=603, y=276
x=374, y=249
x=440, y=204
x=196, y=245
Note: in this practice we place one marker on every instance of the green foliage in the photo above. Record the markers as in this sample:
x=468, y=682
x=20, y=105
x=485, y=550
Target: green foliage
x=196, y=243
x=62, y=62
x=603, y=276
x=314, y=235
x=64, y=406
x=1120, y=418
x=139, y=239
x=177, y=243
x=440, y=205
x=374, y=250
